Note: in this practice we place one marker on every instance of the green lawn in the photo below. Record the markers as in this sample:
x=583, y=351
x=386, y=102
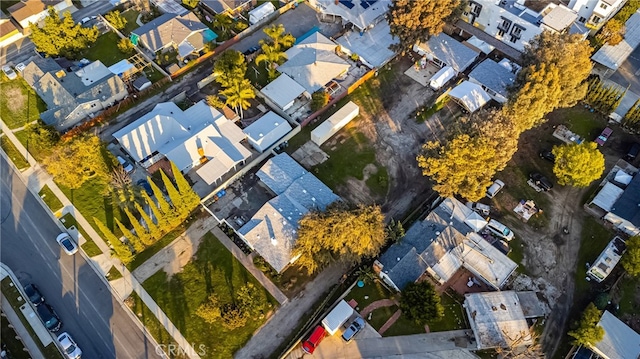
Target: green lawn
x=213, y=270
x=105, y=49
x=152, y=74
x=258, y=74
x=114, y=274
x=89, y=247
x=19, y=104
x=12, y=152
x=92, y=200
x=13, y=345
x=156, y=247
x=629, y=290
x=584, y=123
x=594, y=238
x=372, y=292
x=150, y=322
x=50, y=199
x=130, y=15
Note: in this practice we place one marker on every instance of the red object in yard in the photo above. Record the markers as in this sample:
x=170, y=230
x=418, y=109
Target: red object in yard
x=310, y=345
x=604, y=136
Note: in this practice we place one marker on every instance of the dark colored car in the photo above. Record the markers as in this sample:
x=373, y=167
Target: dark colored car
x=541, y=181
x=34, y=294
x=502, y=247
x=548, y=155
x=353, y=329
x=147, y=187
x=252, y=50
x=633, y=151
x=49, y=317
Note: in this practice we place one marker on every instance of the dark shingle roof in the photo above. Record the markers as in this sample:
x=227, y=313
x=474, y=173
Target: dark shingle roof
x=494, y=76
x=628, y=205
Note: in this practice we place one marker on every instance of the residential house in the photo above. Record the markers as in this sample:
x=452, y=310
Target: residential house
x=229, y=7
x=283, y=92
x=595, y=13
x=34, y=11
x=170, y=7
x=266, y=131
x=619, y=340
x=362, y=14
x=619, y=199
x=495, y=78
x=9, y=33
x=198, y=136
x=272, y=231
x=499, y=319
x=443, y=50
x=609, y=58
x=71, y=97
x=184, y=34
x=313, y=62
x=607, y=260
x=470, y=96
x=373, y=47
x=441, y=244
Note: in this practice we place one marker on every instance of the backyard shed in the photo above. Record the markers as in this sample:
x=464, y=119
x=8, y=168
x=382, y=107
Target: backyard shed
x=337, y=317
x=261, y=12
x=266, y=131
x=334, y=123
x=470, y=96
x=442, y=77
x=283, y=91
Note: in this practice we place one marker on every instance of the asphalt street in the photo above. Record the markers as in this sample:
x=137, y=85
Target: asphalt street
x=88, y=311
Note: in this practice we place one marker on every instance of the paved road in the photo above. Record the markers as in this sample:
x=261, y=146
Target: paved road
x=102, y=328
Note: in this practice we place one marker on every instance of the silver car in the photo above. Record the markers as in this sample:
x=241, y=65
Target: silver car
x=353, y=329
x=69, y=347
x=9, y=72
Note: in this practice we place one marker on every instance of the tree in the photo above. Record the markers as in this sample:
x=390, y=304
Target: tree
x=232, y=317
x=612, y=32
x=165, y=207
x=210, y=311
x=578, y=164
x=412, y=20
x=230, y=68
x=176, y=200
x=116, y=19
x=238, y=95
x=215, y=101
x=319, y=99
x=126, y=46
x=223, y=22
x=278, y=39
x=132, y=239
x=125, y=192
x=631, y=258
x=154, y=232
x=588, y=332
x=421, y=303
x=631, y=119
x=73, y=163
x=341, y=232
x=141, y=232
x=272, y=57
x=191, y=3
x=160, y=217
x=251, y=300
x=62, y=37
x=395, y=231
x=122, y=250
x=41, y=138
x=190, y=199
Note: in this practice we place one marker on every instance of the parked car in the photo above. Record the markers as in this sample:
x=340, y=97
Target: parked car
x=146, y=186
x=548, y=155
x=493, y=190
x=69, y=347
x=49, y=317
x=66, y=242
x=604, y=136
x=11, y=75
x=252, y=50
x=126, y=165
x=541, y=181
x=85, y=20
x=502, y=247
x=310, y=345
x=633, y=152
x=480, y=208
x=20, y=67
x=34, y=294
x=500, y=230
x=353, y=329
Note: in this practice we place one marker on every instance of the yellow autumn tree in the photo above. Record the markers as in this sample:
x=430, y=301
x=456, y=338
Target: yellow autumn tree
x=578, y=165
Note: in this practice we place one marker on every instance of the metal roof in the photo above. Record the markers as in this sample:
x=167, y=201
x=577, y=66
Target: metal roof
x=619, y=340
x=613, y=56
x=267, y=130
x=469, y=95
x=283, y=90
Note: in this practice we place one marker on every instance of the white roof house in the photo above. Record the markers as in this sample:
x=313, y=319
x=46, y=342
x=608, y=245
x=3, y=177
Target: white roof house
x=497, y=319
x=470, y=95
x=335, y=123
x=607, y=196
x=619, y=340
x=188, y=138
x=494, y=78
x=261, y=12
x=313, y=62
x=266, y=131
x=372, y=46
x=283, y=91
x=362, y=14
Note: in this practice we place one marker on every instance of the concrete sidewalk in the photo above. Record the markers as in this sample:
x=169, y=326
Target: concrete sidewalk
x=35, y=178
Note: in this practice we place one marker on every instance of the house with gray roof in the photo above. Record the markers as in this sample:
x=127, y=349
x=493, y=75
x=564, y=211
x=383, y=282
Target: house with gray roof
x=494, y=78
x=440, y=245
x=272, y=231
x=71, y=97
x=230, y=7
x=608, y=58
x=624, y=214
x=444, y=50
x=182, y=33
x=619, y=340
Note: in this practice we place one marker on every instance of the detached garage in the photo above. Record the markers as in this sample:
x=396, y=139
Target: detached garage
x=283, y=91
x=340, y=314
x=261, y=12
x=266, y=131
x=334, y=123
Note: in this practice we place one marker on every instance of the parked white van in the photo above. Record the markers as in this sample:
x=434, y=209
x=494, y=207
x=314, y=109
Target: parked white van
x=500, y=230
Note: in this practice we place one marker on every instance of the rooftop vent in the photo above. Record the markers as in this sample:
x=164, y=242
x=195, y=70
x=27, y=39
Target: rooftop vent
x=274, y=241
x=260, y=135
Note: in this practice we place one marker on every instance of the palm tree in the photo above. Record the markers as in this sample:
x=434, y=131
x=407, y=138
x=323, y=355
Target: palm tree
x=278, y=38
x=272, y=56
x=239, y=94
x=222, y=22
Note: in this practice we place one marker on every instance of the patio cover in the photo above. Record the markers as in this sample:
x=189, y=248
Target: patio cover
x=475, y=221
x=121, y=67
x=480, y=45
x=441, y=77
x=607, y=196
x=470, y=96
x=623, y=177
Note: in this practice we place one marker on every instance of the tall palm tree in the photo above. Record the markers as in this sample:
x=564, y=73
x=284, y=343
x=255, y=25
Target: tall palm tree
x=222, y=22
x=238, y=95
x=272, y=57
x=279, y=39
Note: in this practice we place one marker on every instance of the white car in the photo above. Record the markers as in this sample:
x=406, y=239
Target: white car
x=66, y=242
x=69, y=347
x=20, y=67
x=126, y=165
x=493, y=190
x=9, y=72
x=500, y=230
x=85, y=20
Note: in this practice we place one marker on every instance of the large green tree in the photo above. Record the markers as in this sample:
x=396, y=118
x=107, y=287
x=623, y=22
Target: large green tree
x=578, y=164
x=121, y=250
x=421, y=303
x=190, y=199
x=230, y=68
x=238, y=95
x=340, y=232
x=588, y=332
x=412, y=21
x=631, y=258
x=73, y=163
x=116, y=19
x=612, y=32
x=41, y=139
x=272, y=57
x=223, y=22
x=277, y=37
x=62, y=37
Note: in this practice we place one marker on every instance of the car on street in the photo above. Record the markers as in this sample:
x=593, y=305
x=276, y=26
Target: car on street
x=85, y=20
x=126, y=165
x=604, y=136
x=499, y=230
x=493, y=190
x=34, y=294
x=11, y=75
x=310, y=345
x=252, y=50
x=69, y=347
x=547, y=155
x=353, y=329
x=49, y=317
x=541, y=181
x=66, y=242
